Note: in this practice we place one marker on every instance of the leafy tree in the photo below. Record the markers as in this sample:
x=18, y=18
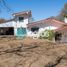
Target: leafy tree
x=2, y=20
x=63, y=11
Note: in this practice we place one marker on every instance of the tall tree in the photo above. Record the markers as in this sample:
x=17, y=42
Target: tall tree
x=62, y=13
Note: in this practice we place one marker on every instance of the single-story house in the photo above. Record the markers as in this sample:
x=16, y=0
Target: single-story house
x=21, y=25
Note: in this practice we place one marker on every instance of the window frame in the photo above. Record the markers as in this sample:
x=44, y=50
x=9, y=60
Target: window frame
x=20, y=19
x=35, y=29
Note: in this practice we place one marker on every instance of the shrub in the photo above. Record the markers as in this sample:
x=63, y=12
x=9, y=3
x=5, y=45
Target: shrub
x=47, y=34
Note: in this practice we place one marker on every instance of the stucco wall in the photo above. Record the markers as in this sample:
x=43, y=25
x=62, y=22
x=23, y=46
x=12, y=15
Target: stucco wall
x=65, y=19
x=20, y=24
x=64, y=36
x=42, y=27
x=16, y=24
x=7, y=24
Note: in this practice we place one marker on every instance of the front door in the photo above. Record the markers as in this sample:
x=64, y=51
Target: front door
x=58, y=36
x=21, y=32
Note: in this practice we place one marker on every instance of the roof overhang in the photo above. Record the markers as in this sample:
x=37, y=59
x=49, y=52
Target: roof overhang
x=23, y=13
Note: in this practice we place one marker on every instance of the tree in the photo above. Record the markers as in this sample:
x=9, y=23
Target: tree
x=2, y=20
x=63, y=11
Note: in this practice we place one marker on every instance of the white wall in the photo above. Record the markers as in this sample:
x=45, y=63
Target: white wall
x=64, y=35
x=65, y=19
x=21, y=24
x=18, y=24
x=15, y=24
x=42, y=27
x=7, y=24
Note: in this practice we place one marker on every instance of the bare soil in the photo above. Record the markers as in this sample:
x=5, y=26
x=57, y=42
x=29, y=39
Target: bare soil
x=30, y=52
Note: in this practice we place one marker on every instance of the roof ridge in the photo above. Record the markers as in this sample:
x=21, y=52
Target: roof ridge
x=51, y=18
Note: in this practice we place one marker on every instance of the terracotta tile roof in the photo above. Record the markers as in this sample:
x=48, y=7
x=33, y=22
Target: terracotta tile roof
x=49, y=20
x=64, y=27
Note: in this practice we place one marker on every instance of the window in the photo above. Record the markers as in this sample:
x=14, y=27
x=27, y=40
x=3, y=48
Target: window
x=34, y=29
x=21, y=19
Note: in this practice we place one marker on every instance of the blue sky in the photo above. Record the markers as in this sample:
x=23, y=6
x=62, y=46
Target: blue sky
x=41, y=9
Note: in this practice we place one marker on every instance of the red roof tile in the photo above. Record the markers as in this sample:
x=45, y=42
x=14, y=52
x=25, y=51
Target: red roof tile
x=64, y=27
x=49, y=20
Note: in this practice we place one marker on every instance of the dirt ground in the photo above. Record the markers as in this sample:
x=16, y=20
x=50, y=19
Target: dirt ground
x=30, y=52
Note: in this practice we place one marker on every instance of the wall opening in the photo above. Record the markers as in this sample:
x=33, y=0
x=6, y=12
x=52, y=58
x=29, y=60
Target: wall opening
x=6, y=31
x=58, y=36
x=35, y=29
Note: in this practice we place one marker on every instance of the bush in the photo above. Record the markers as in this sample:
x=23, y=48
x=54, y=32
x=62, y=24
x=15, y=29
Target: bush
x=47, y=34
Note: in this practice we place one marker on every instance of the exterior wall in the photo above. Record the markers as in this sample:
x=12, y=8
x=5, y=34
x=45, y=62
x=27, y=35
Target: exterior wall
x=64, y=36
x=32, y=34
x=42, y=27
x=8, y=24
x=15, y=31
x=21, y=24
x=18, y=24
x=65, y=19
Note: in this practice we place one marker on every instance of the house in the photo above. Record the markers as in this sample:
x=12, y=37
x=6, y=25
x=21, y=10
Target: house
x=45, y=24
x=21, y=25
x=16, y=26
x=49, y=24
